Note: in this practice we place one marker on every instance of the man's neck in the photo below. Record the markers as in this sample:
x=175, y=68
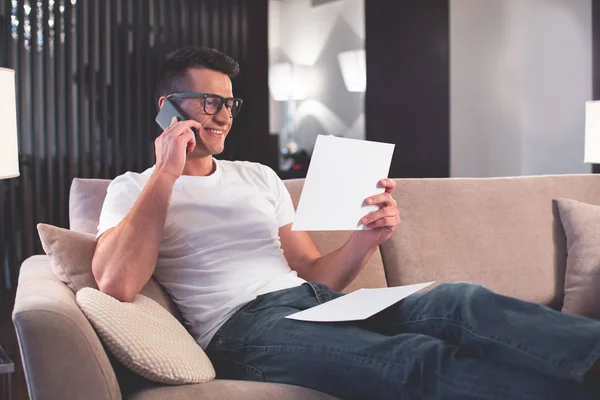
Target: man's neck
x=201, y=166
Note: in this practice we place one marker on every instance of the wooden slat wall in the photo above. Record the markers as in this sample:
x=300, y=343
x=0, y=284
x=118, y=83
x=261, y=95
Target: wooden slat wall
x=85, y=82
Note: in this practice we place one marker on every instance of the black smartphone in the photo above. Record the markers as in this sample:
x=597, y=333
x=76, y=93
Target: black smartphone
x=166, y=114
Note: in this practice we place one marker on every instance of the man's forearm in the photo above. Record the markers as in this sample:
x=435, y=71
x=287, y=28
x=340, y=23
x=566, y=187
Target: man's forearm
x=339, y=268
x=124, y=260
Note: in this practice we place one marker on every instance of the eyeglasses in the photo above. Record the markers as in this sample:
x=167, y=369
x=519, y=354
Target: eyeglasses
x=212, y=103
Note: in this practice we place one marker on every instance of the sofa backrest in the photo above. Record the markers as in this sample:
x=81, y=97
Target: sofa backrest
x=504, y=233
x=87, y=197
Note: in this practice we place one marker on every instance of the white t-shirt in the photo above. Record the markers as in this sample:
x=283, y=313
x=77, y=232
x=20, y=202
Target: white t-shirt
x=220, y=248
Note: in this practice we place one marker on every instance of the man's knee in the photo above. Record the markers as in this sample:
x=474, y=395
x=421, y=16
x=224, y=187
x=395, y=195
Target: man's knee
x=458, y=292
x=460, y=287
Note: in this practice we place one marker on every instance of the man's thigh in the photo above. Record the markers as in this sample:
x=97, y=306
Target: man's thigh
x=348, y=361
x=341, y=359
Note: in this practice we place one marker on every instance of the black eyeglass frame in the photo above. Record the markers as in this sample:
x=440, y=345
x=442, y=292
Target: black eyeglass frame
x=203, y=96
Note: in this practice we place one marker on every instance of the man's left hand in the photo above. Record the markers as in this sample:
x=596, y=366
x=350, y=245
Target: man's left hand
x=384, y=221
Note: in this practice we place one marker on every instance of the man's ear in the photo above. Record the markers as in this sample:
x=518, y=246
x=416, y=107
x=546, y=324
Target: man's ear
x=161, y=101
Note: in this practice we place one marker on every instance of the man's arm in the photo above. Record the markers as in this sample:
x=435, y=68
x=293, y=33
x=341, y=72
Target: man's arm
x=339, y=268
x=336, y=269
x=125, y=256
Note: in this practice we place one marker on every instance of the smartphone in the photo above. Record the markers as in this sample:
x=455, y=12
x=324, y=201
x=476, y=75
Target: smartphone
x=166, y=114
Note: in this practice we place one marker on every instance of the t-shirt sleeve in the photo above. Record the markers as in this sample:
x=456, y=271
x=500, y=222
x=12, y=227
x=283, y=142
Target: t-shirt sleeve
x=121, y=195
x=284, y=207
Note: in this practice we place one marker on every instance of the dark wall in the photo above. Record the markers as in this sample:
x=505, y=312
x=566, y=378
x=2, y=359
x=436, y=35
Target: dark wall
x=596, y=59
x=408, y=83
x=85, y=86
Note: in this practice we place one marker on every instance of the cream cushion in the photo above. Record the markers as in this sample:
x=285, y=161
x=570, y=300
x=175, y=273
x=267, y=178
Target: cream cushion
x=70, y=255
x=581, y=222
x=146, y=338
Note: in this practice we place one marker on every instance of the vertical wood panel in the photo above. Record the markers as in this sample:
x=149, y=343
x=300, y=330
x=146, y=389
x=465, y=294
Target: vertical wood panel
x=81, y=133
x=596, y=59
x=70, y=113
x=59, y=120
x=32, y=189
x=116, y=73
x=418, y=91
x=92, y=104
x=127, y=79
x=47, y=117
x=104, y=69
x=138, y=99
x=204, y=23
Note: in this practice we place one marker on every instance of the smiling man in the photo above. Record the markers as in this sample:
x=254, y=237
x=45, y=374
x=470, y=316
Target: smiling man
x=217, y=235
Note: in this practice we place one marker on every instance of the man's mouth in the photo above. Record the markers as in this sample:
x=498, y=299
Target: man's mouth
x=215, y=131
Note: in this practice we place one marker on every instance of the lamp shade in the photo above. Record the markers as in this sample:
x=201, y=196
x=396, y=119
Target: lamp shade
x=354, y=70
x=9, y=160
x=592, y=132
x=287, y=81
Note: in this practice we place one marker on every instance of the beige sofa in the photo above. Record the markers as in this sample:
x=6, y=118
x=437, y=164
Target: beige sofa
x=504, y=233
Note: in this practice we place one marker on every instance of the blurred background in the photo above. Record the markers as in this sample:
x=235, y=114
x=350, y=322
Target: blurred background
x=463, y=88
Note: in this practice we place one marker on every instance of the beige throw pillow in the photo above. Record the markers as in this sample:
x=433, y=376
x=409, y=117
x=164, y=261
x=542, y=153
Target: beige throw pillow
x=70, y=255
x=581, y=223
x=146, y=338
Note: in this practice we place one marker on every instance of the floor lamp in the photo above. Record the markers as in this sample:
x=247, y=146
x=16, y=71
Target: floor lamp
x=592, y=133
x=9, y=159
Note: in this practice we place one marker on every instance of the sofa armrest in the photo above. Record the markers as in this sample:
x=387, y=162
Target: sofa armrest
x=62, y=355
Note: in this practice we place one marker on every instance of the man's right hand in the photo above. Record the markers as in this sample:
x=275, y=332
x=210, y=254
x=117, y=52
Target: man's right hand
x=172, y=146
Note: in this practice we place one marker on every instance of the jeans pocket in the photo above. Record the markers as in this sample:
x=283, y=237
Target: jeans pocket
x=228, y=368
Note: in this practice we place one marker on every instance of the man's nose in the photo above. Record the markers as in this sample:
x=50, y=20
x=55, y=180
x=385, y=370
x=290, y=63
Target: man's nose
x=223, y=116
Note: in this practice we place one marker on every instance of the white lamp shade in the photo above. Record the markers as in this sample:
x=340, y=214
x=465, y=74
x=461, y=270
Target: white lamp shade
x=9, y=160
x=592, y=132
x=354, y=70
x=287, y=82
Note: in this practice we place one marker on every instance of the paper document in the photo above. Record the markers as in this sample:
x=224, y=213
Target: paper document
x=341, y=175
x=358, y=305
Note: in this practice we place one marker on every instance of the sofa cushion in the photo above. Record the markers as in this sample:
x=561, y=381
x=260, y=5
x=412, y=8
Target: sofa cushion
x=504, y=233
x=146, y=338
x=231, y=390
x=85, y=203
x=71, y=255
x=581, y=223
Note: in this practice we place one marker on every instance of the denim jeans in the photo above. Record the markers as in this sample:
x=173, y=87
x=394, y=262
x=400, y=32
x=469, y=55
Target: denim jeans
x=457, y=341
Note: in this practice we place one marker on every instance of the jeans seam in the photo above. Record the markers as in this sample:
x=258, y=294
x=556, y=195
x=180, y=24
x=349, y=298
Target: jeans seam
x=507, y=394
x=475, y=333
x=314, y=287
x=589, y=362
x=256, y=348
x=249, y=368
x=220, y=334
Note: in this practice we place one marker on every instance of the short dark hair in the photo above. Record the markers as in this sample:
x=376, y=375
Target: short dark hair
x=171, y=76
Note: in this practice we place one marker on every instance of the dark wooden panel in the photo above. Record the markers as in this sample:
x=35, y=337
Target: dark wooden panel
x=596, y=59
x=48, y=182
x=104, y=67
x=408, y=84
x=60, y=119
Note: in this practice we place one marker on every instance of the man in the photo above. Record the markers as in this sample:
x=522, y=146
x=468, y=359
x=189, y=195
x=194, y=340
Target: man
x=217, y=236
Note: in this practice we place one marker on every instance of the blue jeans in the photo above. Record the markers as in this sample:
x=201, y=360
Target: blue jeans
x=457, y=341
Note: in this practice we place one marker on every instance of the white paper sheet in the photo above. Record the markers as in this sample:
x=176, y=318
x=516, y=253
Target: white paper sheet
x=358, y=305
x=342, y=174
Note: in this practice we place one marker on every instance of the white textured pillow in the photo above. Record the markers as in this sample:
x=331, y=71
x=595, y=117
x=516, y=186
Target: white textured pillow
x=146, y=338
